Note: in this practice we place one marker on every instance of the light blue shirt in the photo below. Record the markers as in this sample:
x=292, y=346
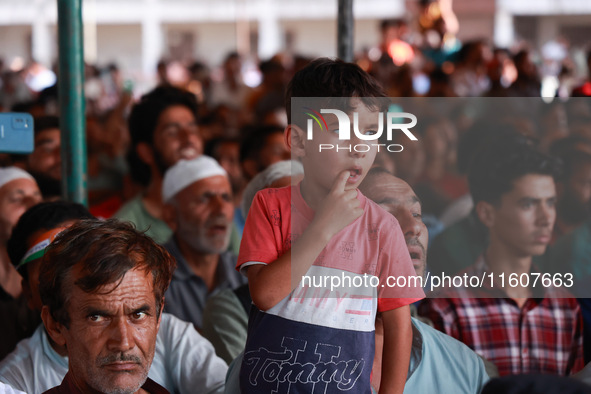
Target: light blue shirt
x=442, y=364
x=184, y=362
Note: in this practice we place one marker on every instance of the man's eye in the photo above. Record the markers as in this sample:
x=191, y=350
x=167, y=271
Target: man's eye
x=96, y=318
x=370, y=132
x=139, y=315
x=170, y=130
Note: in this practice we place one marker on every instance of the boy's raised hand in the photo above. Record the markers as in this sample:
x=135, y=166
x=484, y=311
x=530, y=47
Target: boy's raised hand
x=340, y=207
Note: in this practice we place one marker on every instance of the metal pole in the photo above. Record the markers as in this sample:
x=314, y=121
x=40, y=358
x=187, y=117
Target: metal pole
x=345, y=31
x=71, y=101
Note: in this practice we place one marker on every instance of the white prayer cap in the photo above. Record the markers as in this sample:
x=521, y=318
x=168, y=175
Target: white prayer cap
x=187, y=172
x=8, y=174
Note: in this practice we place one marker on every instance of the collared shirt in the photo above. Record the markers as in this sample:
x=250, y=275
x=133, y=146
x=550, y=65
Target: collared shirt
x=68, y=387
x=543, y=336
x=440, y=363
x=187, y=293
x=184, y=362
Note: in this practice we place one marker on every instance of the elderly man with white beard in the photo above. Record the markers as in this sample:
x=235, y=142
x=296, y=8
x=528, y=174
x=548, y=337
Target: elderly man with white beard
x=199, y=210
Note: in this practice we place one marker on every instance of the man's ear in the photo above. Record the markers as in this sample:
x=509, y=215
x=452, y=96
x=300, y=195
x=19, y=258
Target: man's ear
x=295, y=139
x=486, y=213
x=145, y=153
x=169, y=216
x=53, y=328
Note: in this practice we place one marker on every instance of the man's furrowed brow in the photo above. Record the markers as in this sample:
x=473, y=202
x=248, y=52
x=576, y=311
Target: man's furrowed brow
x=92, y=310
x=388, y=200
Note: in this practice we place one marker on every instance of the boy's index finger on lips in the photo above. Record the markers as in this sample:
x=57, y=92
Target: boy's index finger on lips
x=341, y=181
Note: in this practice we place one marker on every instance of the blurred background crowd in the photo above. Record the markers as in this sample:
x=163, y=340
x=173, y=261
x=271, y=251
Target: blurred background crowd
x=423, y=52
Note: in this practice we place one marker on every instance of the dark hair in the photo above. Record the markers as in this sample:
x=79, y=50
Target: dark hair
x=467, y=48
x=144, y=118
x=482, y=134
x=387, y=23
x=254, y=139
x=571, y=161
x=212, y=146
x=144, y=115
x=520, y=56
x=326, y=77
x=494, y=170
x=42, y=123
x=270, y=66
x=105, y=251
x=43, y=216
x=568, y=144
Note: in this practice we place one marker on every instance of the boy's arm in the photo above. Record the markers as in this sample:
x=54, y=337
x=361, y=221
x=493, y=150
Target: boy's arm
x=397, y=346
x=270, y=283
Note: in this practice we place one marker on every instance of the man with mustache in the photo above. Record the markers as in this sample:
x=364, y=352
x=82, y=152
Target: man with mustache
x=199, y=210
x=163, y=129
x=520, y=327
x=102, y=290
x=38, y=364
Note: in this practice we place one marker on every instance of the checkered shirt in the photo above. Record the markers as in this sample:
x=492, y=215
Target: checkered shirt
x=543, y=336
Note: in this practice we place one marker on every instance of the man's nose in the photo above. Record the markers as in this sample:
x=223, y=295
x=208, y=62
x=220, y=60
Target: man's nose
x=409, y=224
x=546, y=215
x=120, y=338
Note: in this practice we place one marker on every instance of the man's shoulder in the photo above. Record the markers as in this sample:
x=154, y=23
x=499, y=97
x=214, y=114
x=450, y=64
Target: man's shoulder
x=130, y=209
x=26, y=350
x=458, y=368
x=441, y=343
x=33, y=364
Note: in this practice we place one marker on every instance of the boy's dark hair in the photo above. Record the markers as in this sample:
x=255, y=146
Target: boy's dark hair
x=43, y=216
x=105, y=251
x=496, y=167
x=335, y=78
x=143, y=119
x=254, y=140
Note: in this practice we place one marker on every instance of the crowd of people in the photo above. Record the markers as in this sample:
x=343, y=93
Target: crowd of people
x=231, y=203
